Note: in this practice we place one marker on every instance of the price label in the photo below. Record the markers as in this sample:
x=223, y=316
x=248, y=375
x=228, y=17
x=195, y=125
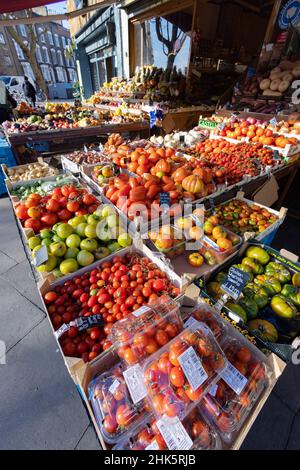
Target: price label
x=164, y=199
x=273, y=121
x=153, y=445
x=174, y=433
x=141, y=311
x=222, y=125
x=192, y=368
x=40, y=256
x=276, y=155
x=234, y=378
x=235, y=282
x=114, y=386
x=83, y=323
x=135, y=383
x=197, y=220
x=193, y=324
x=61, y=330
x=213, y=390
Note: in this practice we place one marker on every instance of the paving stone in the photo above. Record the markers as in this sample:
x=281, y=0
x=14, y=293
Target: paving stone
x=288, y=386
x=89, y=440
x=10, y=242
x=6, y=262
x=294, y=439
x=40, y=406
x=271, y=428
x=21, y=277
x=18, y=315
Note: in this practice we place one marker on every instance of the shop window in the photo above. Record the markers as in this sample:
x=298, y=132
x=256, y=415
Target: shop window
x=19, y=51
x=41, y=34
x=60, y=58
x=38, y=54
x=28, y=71
x=2, y=38
x=164, y=41
x=50, y=38
x=56, y=38
x=61, y=74
x=46, y=55
x=22, y=30
x=46, y=73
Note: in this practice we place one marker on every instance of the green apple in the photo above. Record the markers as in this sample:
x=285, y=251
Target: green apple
x=124, y=239
x=46, y=233
x=73, y=241
x=114, y=246
x=46, y=241
x=81, y=228
x=75, y=221
x=107, y=210
x=101, y=252
x=100, y=179
x=85, y=258
x=49, y=265
x=90, y=231
x=56, y=238
x=71, y=253
x=93, y=219
x=112, y=220
x=68, y=266
x=64, y=231
x=58, y=248
x=89, y=244
x=33, y=242
x=55, y=226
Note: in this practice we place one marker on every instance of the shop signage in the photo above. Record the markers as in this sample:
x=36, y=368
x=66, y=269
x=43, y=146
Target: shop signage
x=289, y=14
x=235, y=282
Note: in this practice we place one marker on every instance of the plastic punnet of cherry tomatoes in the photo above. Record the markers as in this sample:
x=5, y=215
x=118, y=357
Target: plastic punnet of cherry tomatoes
x=180, y=373
x=240, y=388
x=146, y=330
x=206, y=314
x=114, y=410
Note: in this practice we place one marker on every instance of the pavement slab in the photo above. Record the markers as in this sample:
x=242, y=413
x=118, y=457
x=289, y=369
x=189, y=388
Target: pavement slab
x=18, y=314
x=271, y=428
x=21, y=278
x=10, y=242
x=89, y=440
x=6, y=262
x=40, y=406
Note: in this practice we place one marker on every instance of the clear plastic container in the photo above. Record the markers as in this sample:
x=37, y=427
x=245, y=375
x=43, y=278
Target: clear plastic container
x=193, y=433
x=230, y=401
x=160, y=241
x=144, y=331
x=213, y=253
x=205, y=313
x=114, y=410
x=101, y=173
x=180, y=373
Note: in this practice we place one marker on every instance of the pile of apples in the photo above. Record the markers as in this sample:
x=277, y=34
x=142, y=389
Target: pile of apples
x=101, y=173
x=80, y=242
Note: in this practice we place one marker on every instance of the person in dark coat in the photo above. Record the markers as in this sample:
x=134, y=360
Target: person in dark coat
x=29, y=91
x=7, y=103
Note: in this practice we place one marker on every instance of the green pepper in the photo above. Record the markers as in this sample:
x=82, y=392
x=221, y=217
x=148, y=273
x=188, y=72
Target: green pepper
x=292, y=293
x=254, y=265
x=257, y=293
x=269, y=283
x=279, y=271
x=246, y=269
x=220, y=277
x=214, y=290
x=250, y=307
x=283, y=307
x=259, y=254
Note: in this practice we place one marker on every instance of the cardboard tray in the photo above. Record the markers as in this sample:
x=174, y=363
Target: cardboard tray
x=83, y=373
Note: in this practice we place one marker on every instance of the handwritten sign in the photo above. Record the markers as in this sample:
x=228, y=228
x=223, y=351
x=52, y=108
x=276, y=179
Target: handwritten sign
x=164, y=199
x=235, y=282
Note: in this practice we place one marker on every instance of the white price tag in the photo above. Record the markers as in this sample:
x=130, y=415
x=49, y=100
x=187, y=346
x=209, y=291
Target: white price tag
x=141, y=311
x=114, y=386
x=194, y=324
x=234, y=378
x=152, y=446
x=40, y=256
x=174, y=434
x=213, y=390
x=134, y=381
x=192, y=368
x=61, y=330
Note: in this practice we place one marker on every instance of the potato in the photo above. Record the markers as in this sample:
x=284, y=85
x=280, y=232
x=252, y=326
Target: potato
x=283, y=86
x=296, y=71
x=269, y=92
x=275, y=75
x=274, y=85
x=287, y=76
x=264, y=84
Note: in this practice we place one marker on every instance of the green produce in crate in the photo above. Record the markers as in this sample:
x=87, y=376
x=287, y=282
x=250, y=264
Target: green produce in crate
x=244, y=268
x=220, y=277
x=257, y=293
x=258, y=253
x=264, y=329
x=238, y=309
x=251, y=263
x=279, y=271
x=269, y=283
x=250, y=307
x=292, y=293
x=49, y=265
x=283, y=307
x=214, y=290
x=296, y=279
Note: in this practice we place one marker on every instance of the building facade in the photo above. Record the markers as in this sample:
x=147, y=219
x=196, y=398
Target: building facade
x=52, y=40
x=101, y=45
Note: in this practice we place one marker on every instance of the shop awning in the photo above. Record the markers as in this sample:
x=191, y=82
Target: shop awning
x=17, y=5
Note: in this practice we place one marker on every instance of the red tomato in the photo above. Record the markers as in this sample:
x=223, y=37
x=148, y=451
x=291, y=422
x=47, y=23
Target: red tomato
x=64, y=214
x=21, y=212
x=51, y=296
x=34, y=224
x=49, y=219
x=88, y=199
x=72, y=206
x=52, y=205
